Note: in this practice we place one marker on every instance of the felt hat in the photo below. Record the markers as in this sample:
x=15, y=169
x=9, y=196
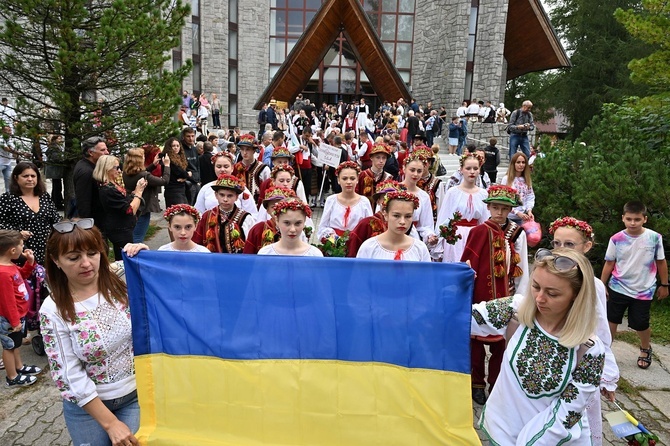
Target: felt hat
x=277, y=194
x=421, y=136
x=385, y=187
x=381, y=148
x=247, y=140
x=225, y=181
x=502, y=194
x=281, y=152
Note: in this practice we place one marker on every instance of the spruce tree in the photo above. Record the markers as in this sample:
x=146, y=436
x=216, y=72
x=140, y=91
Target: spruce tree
x=82, y=68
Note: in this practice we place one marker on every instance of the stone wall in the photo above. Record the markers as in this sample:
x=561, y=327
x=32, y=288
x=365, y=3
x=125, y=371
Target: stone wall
x=214, y=34
x=479, y=133
x=440, y=51
x=489, y=74
x=253, y=58
x=187, y=51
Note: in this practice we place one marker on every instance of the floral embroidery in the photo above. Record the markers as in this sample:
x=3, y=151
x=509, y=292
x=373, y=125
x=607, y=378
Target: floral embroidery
x=589, y=369
x=377, y=226
x=541, y=363
x=500, y=311
x=368, y=185
x=570, y=393
x=572, y=419
x=478, y=317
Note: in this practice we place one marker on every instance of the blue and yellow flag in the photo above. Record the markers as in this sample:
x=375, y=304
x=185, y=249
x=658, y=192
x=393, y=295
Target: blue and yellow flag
x=261, y=350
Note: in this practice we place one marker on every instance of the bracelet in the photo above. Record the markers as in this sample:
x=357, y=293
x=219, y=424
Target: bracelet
x=664, y=284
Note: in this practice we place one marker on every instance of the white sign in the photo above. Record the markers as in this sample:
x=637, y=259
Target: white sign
x=329, y=155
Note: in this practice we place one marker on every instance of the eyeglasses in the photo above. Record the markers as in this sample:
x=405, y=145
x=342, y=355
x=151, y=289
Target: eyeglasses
x=64, y=227
x=117, y=168
x=569, y=245
x=561, y=263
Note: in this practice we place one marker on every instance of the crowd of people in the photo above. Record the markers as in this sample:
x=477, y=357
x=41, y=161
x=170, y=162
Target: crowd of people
x=547, y=325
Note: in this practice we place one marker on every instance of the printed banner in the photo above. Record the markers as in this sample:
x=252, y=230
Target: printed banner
x=268, y=350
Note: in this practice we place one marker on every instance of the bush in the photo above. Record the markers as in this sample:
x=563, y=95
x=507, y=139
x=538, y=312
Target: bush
x=624, y=155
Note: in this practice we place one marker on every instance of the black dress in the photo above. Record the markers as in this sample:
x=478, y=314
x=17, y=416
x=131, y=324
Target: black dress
x=15, y=214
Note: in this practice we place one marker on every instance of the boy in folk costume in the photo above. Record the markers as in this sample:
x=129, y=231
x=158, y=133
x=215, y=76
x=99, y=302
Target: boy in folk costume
x=430, y=183
x=498, y=253
x=370, y=178
x=249, y=170
x=224, y=228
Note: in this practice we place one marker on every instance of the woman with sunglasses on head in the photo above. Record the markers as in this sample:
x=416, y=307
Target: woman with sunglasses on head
x=86, y=329
x=570, y=233
x=553, y=360
x=119, y=206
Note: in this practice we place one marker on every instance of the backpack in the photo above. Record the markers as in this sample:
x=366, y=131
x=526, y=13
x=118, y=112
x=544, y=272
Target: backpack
x=262, y=117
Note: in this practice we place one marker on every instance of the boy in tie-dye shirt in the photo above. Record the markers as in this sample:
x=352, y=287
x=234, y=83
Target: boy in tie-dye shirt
x=634, y=256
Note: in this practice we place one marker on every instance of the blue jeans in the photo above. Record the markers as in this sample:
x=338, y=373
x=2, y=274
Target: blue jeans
x=519, y=141
x=85, y=431
x=7, y=175
x=461, y=145
x=141, y=228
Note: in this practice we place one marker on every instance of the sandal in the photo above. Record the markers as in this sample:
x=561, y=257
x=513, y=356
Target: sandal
x=20, y=381
x=645, y=360
x=29, y=370
x=2, y=365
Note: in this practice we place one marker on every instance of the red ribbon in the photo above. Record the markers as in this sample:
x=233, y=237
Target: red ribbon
x=347, y=213
x=398, y=255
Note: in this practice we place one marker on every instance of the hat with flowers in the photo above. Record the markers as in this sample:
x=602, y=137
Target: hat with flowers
x=277, y=194
x=381, y=148
x=247, y=140
x=225, y=181
x=499, y=193
x=281, y=152
x=386, y=187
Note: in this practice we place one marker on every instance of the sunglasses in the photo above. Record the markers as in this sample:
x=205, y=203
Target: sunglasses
x=64, y=227
x=118, y=168
x=561, y=263
x=569, y=245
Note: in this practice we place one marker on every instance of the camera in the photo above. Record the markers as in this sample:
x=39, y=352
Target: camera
x=161, y=155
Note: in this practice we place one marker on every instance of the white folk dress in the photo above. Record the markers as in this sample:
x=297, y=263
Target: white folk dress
x=543, y=388
x=472, y=209
x=337, y=218
x=372, y=249
x=423, y=215
x=269, y=250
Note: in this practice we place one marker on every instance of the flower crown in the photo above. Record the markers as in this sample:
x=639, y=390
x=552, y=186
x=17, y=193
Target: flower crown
x=292, y=204
x=177, y=209
x=417, y=156
x=570, y=222
x=280, y=152
x=285, y=168
x=347, y=165
x=221, y=155
x=387, y=186
x=402, y=195
x=275, y=193
x=225, y=181
x=423, y=151
x=502, y=193
x=473, y=155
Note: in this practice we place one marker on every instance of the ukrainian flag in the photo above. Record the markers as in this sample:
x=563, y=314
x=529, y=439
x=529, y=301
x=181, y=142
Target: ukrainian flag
x=252, y=350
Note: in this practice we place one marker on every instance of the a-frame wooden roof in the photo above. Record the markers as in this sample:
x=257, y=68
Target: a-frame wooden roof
x=335, y=16
x=531, y=44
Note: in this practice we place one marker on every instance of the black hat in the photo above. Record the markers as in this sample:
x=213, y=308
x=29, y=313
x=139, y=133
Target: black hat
x=421, y=136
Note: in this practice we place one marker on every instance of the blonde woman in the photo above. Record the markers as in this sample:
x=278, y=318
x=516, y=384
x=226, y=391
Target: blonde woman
x=553, y=360
x=118, y=206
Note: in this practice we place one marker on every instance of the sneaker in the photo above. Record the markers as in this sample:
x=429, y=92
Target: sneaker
x=322, y=203
x=2, y=364
x=29, y=370
x=20, y=381
x=312, y=202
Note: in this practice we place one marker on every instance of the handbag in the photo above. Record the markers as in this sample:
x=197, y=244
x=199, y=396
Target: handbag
x=533, y=232
x=441, y=170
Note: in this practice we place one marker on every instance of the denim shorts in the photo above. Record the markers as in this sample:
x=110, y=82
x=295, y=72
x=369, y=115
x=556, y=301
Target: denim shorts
x=10, y=339
x=85, y=431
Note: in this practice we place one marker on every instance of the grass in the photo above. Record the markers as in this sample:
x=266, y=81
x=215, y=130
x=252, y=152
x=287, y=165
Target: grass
x=626, y=387
x=660, y=325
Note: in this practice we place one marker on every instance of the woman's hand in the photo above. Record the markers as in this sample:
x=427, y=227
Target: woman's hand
x=141, y=185
x=120, y=434
x=30, y=256
x=609, y=395
x=166, y=160
x=131, y=249
x=432, y=239
x=26, y=235
x=157, y=159
x=530, y=214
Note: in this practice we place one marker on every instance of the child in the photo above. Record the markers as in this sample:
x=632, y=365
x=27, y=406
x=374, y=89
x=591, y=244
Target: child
x=370, y=178
x=498, y=253
x=570, y=233
x=394, y=243
x=633, y=258
x=290, y=216
x=490, y=167
x=14, y=307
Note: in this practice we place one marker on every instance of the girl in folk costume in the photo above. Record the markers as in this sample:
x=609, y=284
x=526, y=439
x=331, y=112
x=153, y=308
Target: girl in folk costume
x=518, y=177
x=282, y=157
x=251, y=171
x=376, y=224
x=265, y=231
x=394, y=243
x=223, y=163
x=498, y=253
x=370, y=178
x=570, y=233
x=225, y=227
x=431, y=184
x=182, y=220
x=415, y=165
x=553, y=361
x=283, y=175
x=290, y=216
x=343, y=211
x=350, y=123
x=468, y=200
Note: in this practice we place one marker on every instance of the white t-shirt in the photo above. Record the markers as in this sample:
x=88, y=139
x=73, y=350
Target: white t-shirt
x=634, y=258
x=196, y=248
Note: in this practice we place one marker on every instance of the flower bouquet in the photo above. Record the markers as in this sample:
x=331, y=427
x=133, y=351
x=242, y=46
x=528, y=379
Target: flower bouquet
x=448, y=231
x=642, y=439
x=334, y=245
